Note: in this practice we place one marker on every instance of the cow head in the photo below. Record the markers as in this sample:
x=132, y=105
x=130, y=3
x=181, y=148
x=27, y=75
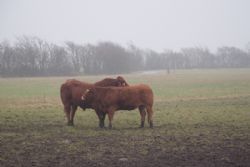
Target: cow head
x=121, y=81
x=84, y=94
x=87, y=96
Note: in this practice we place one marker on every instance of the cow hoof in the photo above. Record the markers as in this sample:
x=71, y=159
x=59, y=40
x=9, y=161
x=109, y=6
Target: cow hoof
x=151, y=124
x=101, y=125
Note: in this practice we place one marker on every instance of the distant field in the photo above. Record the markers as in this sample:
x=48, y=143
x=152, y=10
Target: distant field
x=201, y=117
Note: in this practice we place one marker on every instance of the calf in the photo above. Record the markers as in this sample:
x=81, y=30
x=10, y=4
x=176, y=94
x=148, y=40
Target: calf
x=107, y=100
x=71, y=92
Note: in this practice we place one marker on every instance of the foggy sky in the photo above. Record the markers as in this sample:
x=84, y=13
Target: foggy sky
x=154, y=24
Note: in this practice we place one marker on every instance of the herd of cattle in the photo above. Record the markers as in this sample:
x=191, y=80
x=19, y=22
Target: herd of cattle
x=106, y=97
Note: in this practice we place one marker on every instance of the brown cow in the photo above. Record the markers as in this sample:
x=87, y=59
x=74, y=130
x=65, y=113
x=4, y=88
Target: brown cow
x=110, y=99
x=72, y=90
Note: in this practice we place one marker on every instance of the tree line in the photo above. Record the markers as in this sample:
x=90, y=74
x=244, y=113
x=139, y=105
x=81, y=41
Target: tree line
x=32, y=56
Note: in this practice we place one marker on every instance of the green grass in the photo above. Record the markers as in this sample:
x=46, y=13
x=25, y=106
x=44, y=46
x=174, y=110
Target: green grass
x=200, y=116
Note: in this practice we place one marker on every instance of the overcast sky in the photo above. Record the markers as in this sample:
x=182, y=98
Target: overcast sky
x=154, y=24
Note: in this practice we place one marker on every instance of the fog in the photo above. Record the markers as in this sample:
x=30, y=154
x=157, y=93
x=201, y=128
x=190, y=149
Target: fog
x=153, y=24
x=71, y=37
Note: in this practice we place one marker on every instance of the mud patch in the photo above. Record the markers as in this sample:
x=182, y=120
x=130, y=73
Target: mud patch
x=134, y=147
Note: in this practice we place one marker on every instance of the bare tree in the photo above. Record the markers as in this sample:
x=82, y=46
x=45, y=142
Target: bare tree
x=74, y=52
x=32, y=56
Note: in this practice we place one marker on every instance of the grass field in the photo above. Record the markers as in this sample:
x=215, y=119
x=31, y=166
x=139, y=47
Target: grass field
x=201, y=117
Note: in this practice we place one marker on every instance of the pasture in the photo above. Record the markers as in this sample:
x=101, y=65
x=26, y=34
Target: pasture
x=201, y=118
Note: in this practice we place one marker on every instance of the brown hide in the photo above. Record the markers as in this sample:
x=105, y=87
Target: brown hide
x=119, y=81
x=110, y=99
x=71, y=92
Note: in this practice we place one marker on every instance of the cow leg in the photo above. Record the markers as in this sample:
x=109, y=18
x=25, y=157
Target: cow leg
x=72, y=115
x=101, y=115
x=150, y=114
x=143, y=114
x=98, y=113
x=67, y=112
x=110, y=115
